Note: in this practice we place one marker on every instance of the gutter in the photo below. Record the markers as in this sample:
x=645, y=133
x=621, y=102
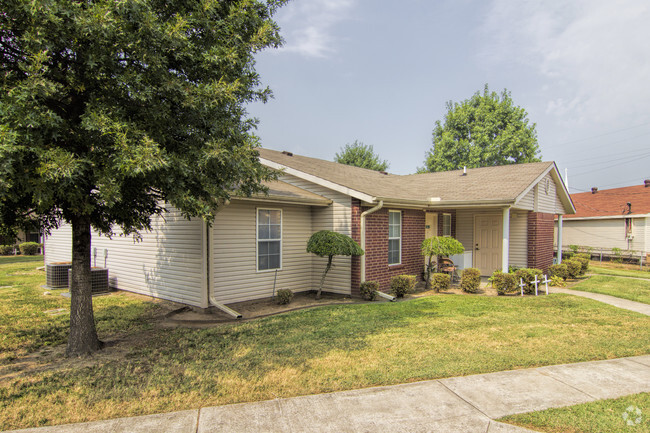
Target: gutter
x=433, y=203
x=208, y=276
x=363, y=236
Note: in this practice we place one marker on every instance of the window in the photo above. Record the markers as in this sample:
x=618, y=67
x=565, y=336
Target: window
x=394, y=237
x=269, y=239
x=446, y=224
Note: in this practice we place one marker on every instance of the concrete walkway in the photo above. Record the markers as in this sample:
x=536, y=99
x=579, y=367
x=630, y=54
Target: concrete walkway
x=638, y=307
x=458, y=404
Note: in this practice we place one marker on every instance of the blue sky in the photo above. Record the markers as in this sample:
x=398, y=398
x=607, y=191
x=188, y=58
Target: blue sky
x=382, y=71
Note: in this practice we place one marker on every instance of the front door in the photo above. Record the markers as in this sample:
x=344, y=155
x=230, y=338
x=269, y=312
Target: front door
x=487, y=243
x=430, y=224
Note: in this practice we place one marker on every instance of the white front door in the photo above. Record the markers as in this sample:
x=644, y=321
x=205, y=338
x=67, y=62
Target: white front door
x=487, y=243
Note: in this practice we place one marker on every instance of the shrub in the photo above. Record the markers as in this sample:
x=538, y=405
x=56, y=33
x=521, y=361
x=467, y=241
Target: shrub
x=440, y=281
x=368, y=290
x=584, y=264
x=559, y=270
x=584, y=256
x=567, y=255
x=574, y=249
x=283, y=296
x=6, y=250
x=618, y=257
x=557, y=281
x=470, y=280
x=503, y=283
x=400, y=285
x=528, y=276
x=29, y=248
x=574, y=268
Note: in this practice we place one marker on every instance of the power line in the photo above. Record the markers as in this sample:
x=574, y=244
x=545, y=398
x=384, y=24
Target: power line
x=605, y=133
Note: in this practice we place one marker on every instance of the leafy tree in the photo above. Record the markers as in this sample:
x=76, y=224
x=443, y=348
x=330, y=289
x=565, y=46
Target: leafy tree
x=109, y=110
x=360, y=155
x=482, y=131
x=439, y=246
x=326, y=243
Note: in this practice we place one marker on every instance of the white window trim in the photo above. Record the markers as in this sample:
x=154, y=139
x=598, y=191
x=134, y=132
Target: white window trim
x=257, y=240
x=393, y=238
x=450, y=224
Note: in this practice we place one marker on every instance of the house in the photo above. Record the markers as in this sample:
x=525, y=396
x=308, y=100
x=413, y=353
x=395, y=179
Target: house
x=610, y=218
x=502, y=215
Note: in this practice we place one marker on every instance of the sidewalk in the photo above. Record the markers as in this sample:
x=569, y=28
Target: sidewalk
x=637, y=307
x=458, y=404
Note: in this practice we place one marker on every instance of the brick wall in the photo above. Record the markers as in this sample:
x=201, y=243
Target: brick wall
x=540, y=240
x=377, y=268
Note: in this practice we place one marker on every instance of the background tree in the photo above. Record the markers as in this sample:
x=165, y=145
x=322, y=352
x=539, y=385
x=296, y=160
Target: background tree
x=109, y=110
x=326, y=243
x=482, y=131
x=360, y=155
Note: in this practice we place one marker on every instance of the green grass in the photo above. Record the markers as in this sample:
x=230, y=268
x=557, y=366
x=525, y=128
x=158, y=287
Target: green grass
x=599, y=270
x=626, y=288
x=304, y=352
x=603, y=416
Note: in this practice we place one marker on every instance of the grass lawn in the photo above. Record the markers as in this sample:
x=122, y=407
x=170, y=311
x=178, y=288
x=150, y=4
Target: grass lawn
x=152, y=369
x=603, y=416
x=627, y=288
x=617, y=271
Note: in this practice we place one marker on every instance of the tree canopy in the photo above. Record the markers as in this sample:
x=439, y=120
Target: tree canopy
x=111, y=109
x=484, y=130
x=326, y=243
x=360, y=155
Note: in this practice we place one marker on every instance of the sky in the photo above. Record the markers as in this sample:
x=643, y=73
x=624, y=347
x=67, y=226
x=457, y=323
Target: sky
x=381, y=72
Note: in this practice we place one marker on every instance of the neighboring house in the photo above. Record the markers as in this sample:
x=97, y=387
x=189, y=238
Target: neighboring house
x=502, y=215
x=610, y=218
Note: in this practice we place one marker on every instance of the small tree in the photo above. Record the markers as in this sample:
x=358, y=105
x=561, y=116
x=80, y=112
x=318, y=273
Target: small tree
x=440, y=246
x=360, y=155
x=326, y=243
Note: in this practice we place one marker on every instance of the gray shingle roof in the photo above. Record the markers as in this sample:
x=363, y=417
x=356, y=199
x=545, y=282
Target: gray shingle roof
x=498, y=184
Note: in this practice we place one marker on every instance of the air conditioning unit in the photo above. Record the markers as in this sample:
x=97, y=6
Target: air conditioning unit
x=98, y=280
x=56, y=275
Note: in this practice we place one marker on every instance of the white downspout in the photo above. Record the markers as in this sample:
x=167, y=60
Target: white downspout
x=505, y=246
x=363, y=236
x=208, y=266
x=559, y=239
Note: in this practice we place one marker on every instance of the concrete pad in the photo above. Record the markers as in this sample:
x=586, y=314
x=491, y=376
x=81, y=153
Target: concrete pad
x=264, y=416
x=428, y=425
x=603, y=379
x=174, y=422
x=626, y=304
x=643, y=359
x=500, y=427
x=510, y=392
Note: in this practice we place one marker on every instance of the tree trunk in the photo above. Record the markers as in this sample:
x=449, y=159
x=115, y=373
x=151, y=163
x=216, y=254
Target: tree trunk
x=322, y=279
x=83, y=338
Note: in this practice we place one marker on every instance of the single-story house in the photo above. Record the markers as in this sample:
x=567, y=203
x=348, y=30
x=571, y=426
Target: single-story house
x=502, y=215
x=610, y=218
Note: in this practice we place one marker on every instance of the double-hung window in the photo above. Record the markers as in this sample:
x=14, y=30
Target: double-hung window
x=269, y=239
x=394, y=237
x=446, y=224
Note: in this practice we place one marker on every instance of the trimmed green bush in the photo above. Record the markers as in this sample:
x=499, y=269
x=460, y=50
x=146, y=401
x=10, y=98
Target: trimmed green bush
x=400, y=285
x=584, y=264
x=440, y=281
x=574, y=268
x=528, y=276
x=283, y=296
x=29, y=248
x=6, y=250
x=560, y=270
x=503, y=283
x=557, y=281
x=368, y=290
x=584, y=255
x=470, y=280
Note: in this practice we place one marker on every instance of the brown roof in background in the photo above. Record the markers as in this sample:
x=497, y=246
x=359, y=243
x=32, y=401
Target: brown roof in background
x=502, y=183
x=611, y=202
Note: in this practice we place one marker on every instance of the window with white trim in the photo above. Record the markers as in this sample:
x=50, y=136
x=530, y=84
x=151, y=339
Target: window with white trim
x=394, y=237
x=446, y=224
x=269, y=239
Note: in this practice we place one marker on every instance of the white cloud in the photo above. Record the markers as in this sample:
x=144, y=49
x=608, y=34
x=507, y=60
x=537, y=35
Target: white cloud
x=593, y=55
x=308, y=25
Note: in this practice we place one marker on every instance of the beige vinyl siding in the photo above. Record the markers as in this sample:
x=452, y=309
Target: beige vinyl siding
x=518, y=255
x=547, y=200
x=528, y=201
x=166, y=263
x=603, y=233
x=336, y=217
x=235, y=277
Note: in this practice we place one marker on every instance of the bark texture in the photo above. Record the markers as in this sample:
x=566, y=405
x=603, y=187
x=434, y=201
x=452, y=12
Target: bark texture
x=83, y=338
x=322, y=279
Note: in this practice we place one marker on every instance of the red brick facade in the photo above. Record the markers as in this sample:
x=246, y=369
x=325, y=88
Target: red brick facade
x=540, y=240
x=377, y=267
